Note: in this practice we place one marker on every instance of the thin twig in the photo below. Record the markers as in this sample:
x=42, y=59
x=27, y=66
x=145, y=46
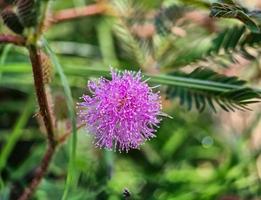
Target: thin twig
x=13, y=39
x=75, y=13
x=63, y=137
x=39, y=173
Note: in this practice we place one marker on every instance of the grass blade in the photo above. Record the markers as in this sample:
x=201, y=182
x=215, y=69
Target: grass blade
x=15, y=135
x=70, y=180
x=4, y=55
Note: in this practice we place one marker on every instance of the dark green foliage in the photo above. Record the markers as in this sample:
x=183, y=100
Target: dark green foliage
x=227, y=40
x=235, y=39
x=9, y=1
x=231, y=10
x=230, y=95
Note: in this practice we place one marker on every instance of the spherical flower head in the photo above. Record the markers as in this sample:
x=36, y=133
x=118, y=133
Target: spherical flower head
x=121, y=113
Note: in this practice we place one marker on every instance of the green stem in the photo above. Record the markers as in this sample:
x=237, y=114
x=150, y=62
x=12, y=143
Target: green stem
x=194, y=81
x=4, y=55
x=45, y=9
x=71, y=175
x=15, y=135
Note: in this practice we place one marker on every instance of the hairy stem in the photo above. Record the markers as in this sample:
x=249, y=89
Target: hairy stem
x=45, y=109
x=39, y=173
x=46, y=113
x=12, y=39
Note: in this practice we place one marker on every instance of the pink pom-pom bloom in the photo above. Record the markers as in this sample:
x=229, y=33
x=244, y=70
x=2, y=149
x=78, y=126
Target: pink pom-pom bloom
x=121, y=113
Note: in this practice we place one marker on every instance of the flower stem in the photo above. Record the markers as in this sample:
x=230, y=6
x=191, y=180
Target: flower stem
x=45, y=109
x=46, y=113
x=39, y=173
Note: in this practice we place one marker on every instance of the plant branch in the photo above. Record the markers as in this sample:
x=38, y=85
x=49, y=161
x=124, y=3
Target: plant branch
x=39, y=173
x=12, y=39
x=46, y=113
x=75, y=13
x=45, y=109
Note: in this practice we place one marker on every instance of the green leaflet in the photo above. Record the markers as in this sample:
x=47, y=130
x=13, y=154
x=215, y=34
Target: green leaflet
x=226, y=97
x=231, y=10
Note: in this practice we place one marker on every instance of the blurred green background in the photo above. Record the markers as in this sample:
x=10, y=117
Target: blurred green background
x=195, y=156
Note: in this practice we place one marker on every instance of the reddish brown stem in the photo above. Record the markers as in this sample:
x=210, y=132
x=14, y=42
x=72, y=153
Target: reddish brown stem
x=13, y=39
x=39, y=173
x=75, y=13
x=45, y=110
x=46, y=113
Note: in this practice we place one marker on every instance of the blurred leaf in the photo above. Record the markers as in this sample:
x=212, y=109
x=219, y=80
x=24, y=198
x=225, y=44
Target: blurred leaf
x=4, y=54
x=174, y=142
x=104, y=30
x=167, y=17
x=229, y=93
x=71, y=177
x=16, y=133
x=197, y=3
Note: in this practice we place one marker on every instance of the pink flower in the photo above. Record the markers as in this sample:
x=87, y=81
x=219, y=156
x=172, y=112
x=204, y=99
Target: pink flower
x=121, y=113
